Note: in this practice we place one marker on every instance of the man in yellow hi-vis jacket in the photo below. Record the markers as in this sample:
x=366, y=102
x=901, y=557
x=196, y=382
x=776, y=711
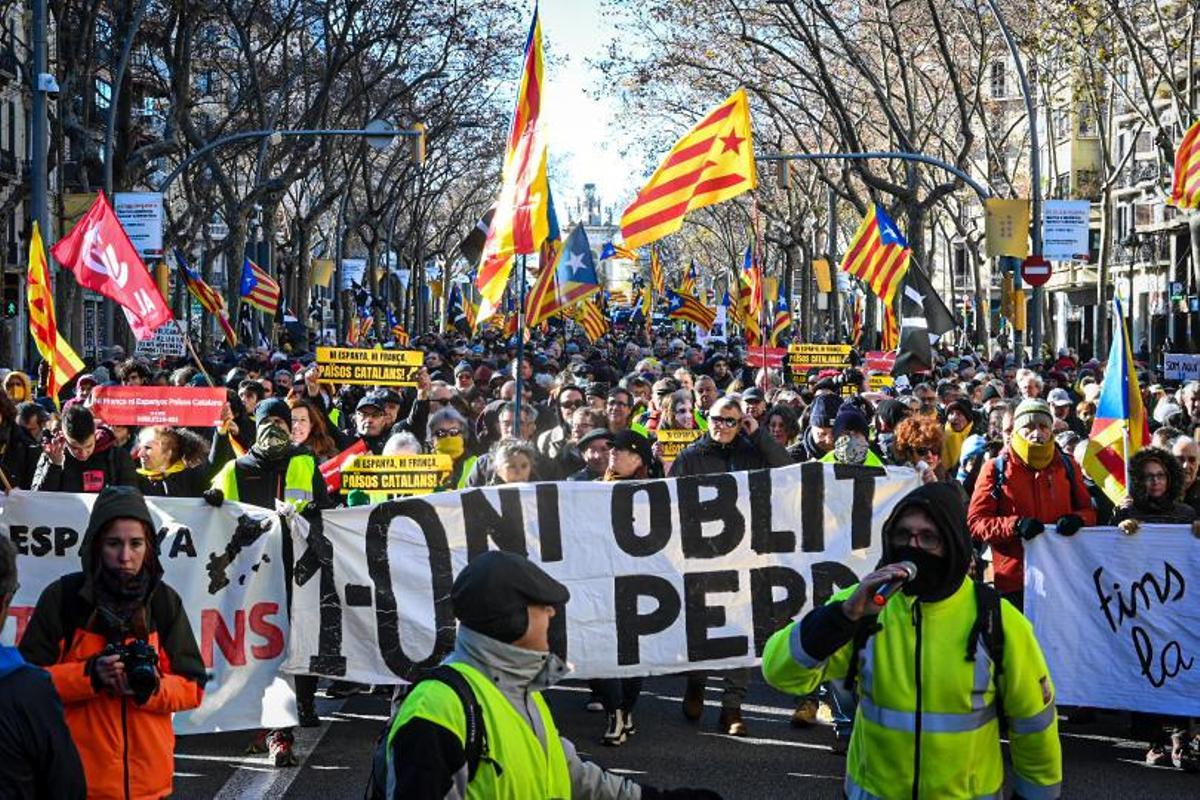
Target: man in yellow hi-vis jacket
x=929, y=714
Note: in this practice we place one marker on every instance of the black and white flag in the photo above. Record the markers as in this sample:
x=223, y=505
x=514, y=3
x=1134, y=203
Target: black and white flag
x=924, y=319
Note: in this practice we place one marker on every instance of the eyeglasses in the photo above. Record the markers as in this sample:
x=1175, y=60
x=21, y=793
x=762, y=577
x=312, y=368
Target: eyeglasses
x=444, y=433
x=683, y=412
x=441, y=401
x=926, y=540
x=725, y=422
x=1152, y=477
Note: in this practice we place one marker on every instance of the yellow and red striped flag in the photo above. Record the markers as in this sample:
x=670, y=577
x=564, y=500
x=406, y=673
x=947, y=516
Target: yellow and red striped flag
x=688, y=284
x=783, y=317
x=658, y=280
x=891, y=329
x=1185, y=189
x=686, y=307
x=55, y=349
x=878, y=255
x=712, y=163
x=856, y=319
x=751, y=324
x=590, y=318
x=522, y=219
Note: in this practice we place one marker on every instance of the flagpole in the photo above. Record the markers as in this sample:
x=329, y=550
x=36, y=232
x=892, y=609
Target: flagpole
x=187, y=340
x=520, y=349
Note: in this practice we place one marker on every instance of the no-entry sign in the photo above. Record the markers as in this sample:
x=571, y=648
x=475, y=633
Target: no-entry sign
x=1035, y=270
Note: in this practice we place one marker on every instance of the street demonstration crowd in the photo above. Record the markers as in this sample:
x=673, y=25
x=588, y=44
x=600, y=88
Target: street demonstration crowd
x=1004, y=443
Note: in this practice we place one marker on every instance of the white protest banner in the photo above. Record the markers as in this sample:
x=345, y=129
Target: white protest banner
x=665, y=575
x=1118, y=616
x=141, y=215
x=167, y=342
x=1065, y=225
x=233, y=590
x=1182, y=367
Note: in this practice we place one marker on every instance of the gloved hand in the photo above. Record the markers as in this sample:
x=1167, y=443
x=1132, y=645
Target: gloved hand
x=1028, y=527
x=1129, y=526
x=214, y=497
x=1069, y=524
x=651, y=793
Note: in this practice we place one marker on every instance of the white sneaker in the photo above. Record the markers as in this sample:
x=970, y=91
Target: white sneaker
x=630, y=728
x=614, y=732
x=594, y=704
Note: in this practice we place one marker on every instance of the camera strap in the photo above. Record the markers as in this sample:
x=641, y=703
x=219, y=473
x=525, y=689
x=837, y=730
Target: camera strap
x=75, y=611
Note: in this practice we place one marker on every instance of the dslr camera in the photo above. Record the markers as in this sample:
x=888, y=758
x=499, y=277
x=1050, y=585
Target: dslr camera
x=141, y=667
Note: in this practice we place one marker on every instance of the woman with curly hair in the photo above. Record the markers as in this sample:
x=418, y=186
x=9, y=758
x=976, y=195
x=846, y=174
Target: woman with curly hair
x=919, y=445
x=309, y=430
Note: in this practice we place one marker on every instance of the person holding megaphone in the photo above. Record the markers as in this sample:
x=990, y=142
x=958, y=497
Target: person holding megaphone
x=928, y=719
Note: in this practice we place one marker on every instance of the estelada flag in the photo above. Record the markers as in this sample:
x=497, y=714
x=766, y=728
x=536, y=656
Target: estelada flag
x=1185, y=188
x=1120, y=428
x=101, y=257
x=55, y=349
x=521, y=222
x=712, y=163
x=878, y=255
x=686, y=307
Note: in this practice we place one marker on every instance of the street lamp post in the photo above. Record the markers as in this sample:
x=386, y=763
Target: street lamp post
x=378, y=133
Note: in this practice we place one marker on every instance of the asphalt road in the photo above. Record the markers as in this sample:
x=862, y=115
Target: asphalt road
x=773, y=761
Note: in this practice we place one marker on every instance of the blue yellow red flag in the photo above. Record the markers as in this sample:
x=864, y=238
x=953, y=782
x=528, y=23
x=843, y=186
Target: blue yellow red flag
x=878, y=255
x=1121, y=427
x=686, y=307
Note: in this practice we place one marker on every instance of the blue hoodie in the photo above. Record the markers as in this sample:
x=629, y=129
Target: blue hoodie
x=38, y=759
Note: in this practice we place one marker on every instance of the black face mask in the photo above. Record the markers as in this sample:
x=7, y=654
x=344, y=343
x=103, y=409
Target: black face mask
x=931, y=572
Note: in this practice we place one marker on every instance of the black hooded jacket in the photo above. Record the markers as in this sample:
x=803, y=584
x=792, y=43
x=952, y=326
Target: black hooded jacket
x=824, y=630
x=1167, y=509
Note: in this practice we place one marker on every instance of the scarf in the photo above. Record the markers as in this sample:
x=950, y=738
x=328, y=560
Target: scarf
x=159, y=475
x=1037, y=456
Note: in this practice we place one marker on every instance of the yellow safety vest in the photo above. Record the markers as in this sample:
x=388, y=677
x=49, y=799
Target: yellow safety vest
x=919, y=656
x=526, y=769
x=297, y=484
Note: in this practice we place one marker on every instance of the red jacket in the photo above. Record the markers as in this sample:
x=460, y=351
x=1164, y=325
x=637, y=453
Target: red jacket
x=1044, y=495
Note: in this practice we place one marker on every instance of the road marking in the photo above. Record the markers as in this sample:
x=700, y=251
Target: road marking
x=255, y=777
x=775, y=742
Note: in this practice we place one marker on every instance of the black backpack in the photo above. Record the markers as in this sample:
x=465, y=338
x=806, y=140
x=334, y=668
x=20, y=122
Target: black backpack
x=475, y=742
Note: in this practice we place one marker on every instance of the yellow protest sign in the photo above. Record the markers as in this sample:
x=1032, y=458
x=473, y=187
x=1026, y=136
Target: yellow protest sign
x=322, y=271
x=370, y=367
x=804, y=357
x=822, y=274
x=877, y=382
x=1018, y=317
x=406, y=475
x=673, y=442
x=1007, y=227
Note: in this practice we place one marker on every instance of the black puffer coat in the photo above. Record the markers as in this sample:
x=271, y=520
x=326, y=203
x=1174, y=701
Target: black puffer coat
x=1166, y=509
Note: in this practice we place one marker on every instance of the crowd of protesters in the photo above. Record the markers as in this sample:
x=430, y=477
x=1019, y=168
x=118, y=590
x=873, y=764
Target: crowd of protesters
x=1009, y=440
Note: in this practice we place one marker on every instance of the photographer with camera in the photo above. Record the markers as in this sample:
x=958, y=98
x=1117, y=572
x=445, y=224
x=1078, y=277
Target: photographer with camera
x=120, y=651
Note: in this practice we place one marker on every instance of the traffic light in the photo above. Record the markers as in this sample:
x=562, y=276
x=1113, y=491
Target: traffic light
x=12, y=294
x=418, y=144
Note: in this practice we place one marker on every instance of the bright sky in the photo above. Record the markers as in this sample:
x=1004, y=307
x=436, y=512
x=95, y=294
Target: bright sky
x=583, y=137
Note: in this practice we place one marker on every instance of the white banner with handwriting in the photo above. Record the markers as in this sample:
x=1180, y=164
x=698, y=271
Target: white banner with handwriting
x=1118, y=616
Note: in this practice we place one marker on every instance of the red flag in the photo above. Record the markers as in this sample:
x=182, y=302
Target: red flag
x=331, y=470
x=98, y=252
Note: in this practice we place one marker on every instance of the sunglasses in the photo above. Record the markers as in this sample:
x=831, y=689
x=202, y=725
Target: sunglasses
x=571, y=404
x=446, y=432
x=726, y=422
x=925, y=452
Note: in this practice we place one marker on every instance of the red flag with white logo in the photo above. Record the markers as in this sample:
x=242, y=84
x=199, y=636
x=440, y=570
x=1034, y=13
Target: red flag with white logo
x=98, y=252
